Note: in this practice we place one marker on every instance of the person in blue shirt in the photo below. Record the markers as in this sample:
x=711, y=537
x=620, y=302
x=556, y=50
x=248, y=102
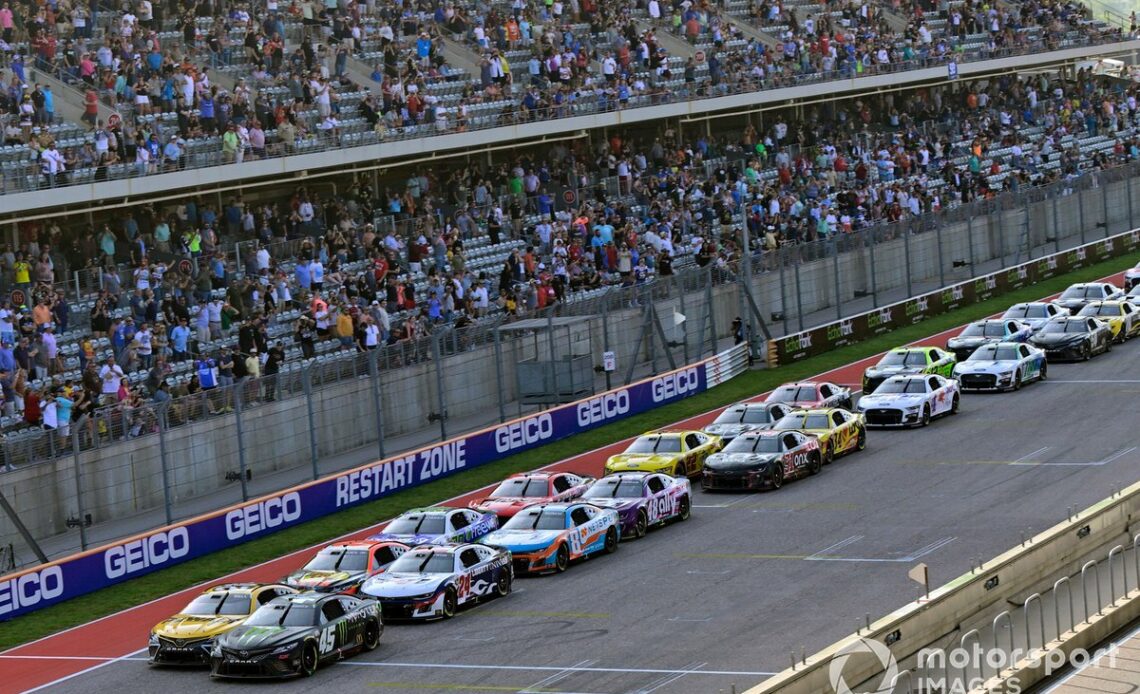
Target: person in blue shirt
x=545, y=203
x=302, y=275
x=206, y=374
x=180, y=341
x=49, y=105
x=63, y=405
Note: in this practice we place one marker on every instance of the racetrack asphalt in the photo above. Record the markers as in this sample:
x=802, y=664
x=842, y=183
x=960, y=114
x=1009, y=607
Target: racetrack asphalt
x=724, y=598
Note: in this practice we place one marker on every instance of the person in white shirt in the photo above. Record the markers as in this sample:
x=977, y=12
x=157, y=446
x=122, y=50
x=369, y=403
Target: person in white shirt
x=371, y=335
x=214, y=314
x=111, y=374
x=146, y=345
x=262, y=258
x=53, y=163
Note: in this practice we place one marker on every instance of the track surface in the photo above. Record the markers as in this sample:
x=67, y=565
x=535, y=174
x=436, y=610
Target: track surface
x=726, y=597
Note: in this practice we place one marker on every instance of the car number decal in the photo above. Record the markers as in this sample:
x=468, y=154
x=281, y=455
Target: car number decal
x=328, y=640
x=660, y=507
x=463, y=585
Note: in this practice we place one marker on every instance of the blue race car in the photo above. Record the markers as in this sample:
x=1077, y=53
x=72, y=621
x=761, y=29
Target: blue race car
x=547, y=537
x=987, y=332
x=438, y=525
x=432, y=582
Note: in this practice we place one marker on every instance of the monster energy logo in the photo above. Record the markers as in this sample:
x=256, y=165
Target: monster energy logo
x=255, y=634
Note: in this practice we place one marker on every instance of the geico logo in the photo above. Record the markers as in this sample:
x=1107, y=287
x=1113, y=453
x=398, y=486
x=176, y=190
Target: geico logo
x=30, y=589
x=518, y=434
x=151, y=550
x=675, y=384
x=603, y=407
x=263, y=515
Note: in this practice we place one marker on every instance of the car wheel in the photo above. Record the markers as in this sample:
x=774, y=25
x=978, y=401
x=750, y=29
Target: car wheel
x=1017, y=381
x=815, y=464
x=925, y=416
x=1108, y=344
x=503, y=586
x=685, y=510
x=611, y=541
x=1086, y=351
x=562, y=559
x=861, y=440
x=954, y=404
x=828, y=453
x=309, y=659
x=372, y=632
x=679, y=470
x=642, y=524
x=847, y=404
x=777, y=476
x=450, y=602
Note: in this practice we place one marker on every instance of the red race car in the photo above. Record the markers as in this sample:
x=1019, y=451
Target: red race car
x=527, y=488
x=341, y=568
x=812, y=394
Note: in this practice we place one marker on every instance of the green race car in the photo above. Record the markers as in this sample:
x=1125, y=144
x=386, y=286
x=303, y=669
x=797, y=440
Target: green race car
x=909, y=360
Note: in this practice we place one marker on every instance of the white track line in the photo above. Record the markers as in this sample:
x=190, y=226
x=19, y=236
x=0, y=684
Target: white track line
x=111, y=661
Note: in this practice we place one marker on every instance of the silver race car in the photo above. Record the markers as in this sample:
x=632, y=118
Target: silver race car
x=432, y=582
x=910, y=400
x=1001, y=366
x=1035, y=313
x=746, y=416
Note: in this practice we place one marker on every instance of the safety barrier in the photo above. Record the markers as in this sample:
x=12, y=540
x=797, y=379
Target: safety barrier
x=85, y=572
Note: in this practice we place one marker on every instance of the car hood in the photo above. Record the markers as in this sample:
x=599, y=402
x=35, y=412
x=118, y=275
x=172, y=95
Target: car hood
x=256, y=638
x=638, y=461
x=509, y=505
x=618, y=503
x=891, y=400
x=969, y=341
x=402, y=585
x=323, y=579
x=877, y=371
x=522, y=540
x=408, y=539
x=194, y=627
x=726, y=462
x=730, y=430
x=1057, y=338
x=1072, y=304
x=985, y=367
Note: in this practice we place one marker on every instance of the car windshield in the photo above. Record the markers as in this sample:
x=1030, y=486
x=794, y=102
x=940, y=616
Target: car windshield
x=523, y=486
x=909, y=386
x=1100, y=310
x=420, y=523
x=803, y=421
x=1065, y=326
x=753, y=444
x=615, y=489
x=1027, y=311
x=1089, y=292
x=537, y=519
x=995, y=353
x=424, y=563
x=283, y=614
x=903, y=359
x=655, y=444
x=225, y=603
x=974, y=330
x=744, y=415
x=339, y=560
x=793, y=394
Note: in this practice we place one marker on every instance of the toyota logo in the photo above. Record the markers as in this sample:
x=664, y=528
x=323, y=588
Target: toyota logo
x=245, y=654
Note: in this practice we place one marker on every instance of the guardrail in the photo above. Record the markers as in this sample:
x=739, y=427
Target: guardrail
x=865, y=325
x=55, y=582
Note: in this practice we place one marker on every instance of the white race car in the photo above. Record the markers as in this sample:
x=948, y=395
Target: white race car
x=910, y=400
x=1132, y=277
x=432, y=582
x=1001, y=366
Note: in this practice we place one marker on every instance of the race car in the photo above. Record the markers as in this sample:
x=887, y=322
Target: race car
x=746, y=416
x=438, y=525
x=1122, y=317
x=763, y=460
x=676, y=453
x=521, y=490
x=1133, y=295
x=642, y=499
x=343, y=567
x=188, y=637
x=910, y=400
x=1073, y=337
x=1132, y=277
x=1035, y=313
x=811, y=394
x=908, y=360
x=433, y=582
x=1078, y=295
x=984, y=332
x=546, y=538
x=294, y=635
x=1001, y=366
x=839, y=431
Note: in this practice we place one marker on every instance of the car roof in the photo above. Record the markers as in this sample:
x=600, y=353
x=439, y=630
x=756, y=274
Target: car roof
x=306, y=598
x=629, y=475
x=909, y=377
x=533, y=475
x=553, y=507
x=766, y=434
x=815, y=410
x=236, y=587
x=912, y=349
x=667, y=432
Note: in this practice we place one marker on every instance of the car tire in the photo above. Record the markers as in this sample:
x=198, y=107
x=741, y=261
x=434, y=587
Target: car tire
x=954, y=404
x=828, y=453
x=1108, y=345
x=1043, y=373
x=642, y=524
x=861, y=439
x=503, y=585
x=848, y=405
x=777, y=478
x=450, y=602
x=1016, y=381
x=815, y=464
x=685, y=508
x=310, y=659
x=561, y=558
x=611, y=544
x=372, y=632
x=679, y=470
x=1086, y=351
x=925, y=416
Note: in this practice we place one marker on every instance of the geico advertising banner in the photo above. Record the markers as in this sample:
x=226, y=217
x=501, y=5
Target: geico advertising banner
x=36, y=588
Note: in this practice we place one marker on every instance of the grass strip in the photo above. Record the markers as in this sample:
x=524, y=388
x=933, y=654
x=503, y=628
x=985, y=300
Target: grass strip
x=109, y=600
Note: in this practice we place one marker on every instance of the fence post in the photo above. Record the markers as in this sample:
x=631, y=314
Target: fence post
x=499, y=371
x=970, y=244
x=163, y=412
x=712, y=313
x=906, y=253
x=799, y=300
x=79, y=487
x=1104, y=198
x=238, y=388
x=835, y=273
x=941, y=258
x=1081, y=210
x=439, y=388
x=1131, y=219
x=685, y=325
x=78, y=291
x=869, y=240
x=783, y=289
x=374, y=379
x=307, y=387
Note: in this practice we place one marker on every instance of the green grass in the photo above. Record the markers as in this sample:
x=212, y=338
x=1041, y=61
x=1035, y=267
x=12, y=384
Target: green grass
x=133, y=592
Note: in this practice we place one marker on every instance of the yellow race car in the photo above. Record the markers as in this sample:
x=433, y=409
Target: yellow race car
x=675, y=453
x=1122, y=316
x=187, y=637
x=839, y=431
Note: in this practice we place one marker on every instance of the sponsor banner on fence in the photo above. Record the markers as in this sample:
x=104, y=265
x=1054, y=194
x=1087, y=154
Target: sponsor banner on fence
x=70, y=577
x=862, y=326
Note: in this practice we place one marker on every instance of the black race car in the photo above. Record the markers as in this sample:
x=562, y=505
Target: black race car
x=1073, y=337
x=293, y=635
x=762, y=460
